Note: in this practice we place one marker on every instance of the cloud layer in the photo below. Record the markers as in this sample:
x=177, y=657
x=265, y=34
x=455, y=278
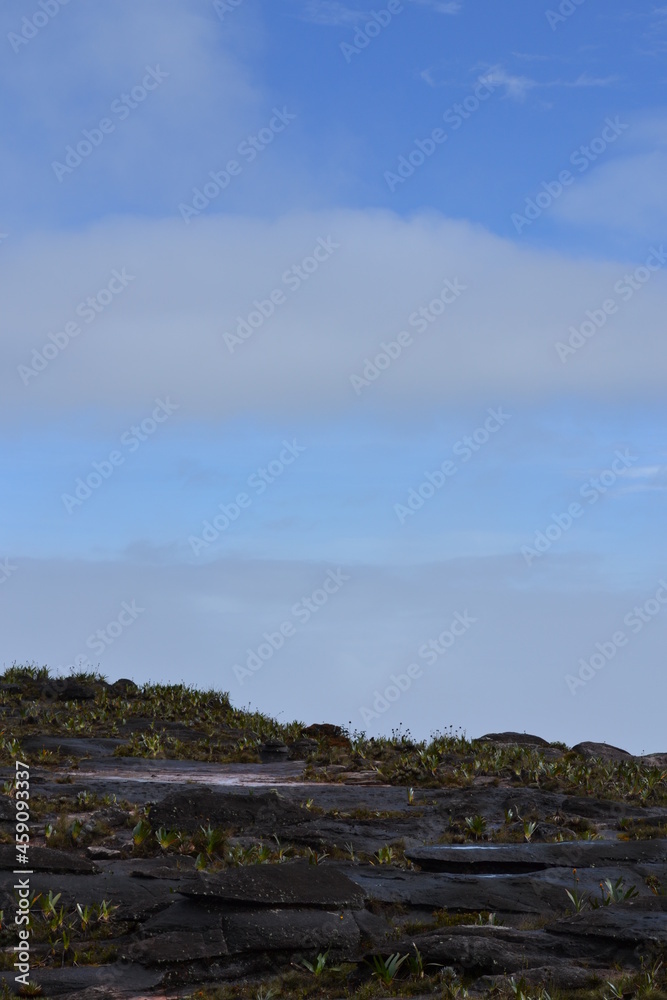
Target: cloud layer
x=187, y=286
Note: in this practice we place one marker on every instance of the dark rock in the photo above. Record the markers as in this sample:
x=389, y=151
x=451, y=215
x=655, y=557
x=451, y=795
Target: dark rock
x=496, y=859
x=123, y=688
x=184, y=914
x=123, y=980
x=641, y=922
x=272, y=751
x=194, y=807
x=520, y=739
x=461, y=894
x=325, y=730
x=296, y=930
x=178, y=946
x=501, y=950
x=302, y=747
x=372, y=926
x=603, y=750
x=45, y=859
x=293, y=883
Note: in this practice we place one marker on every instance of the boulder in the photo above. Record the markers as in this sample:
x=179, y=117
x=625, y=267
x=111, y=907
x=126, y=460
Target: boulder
x=123, y=688
x=605, y=751
x=519, y=739
x=302, y=747
x=273, y=751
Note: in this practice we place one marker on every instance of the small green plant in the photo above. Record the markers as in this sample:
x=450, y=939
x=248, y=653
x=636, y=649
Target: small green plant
x=213, y=839
x=386, y=969
x=416, y=963
x=385, y=855
x=104, y=911
x=578, y=899
x=614, y=892
x=476, y=825
x=141, y=832
x=317, y=967
x=85, y=916
x=528, y=830
x=30, y=989
x=75, y=830
x=167, y=838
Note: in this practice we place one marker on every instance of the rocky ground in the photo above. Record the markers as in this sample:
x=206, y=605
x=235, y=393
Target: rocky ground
x=179, y=847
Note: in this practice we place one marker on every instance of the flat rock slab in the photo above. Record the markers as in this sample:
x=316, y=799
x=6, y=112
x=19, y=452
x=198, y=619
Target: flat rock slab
x=515, y=858
x=500, y=950
x=191, y=808
x=622, y=922
x=72, y=746
x=538, y=892
x=289, y=884
x=123, y=979
x=46, y=859
x=289, y=930
x=173, y=947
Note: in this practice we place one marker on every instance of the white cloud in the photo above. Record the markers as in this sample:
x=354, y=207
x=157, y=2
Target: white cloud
x=517, y=87
x=627, y=195
x=163, y=334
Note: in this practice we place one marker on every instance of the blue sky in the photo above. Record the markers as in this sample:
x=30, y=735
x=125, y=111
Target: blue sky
x=164, y=95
